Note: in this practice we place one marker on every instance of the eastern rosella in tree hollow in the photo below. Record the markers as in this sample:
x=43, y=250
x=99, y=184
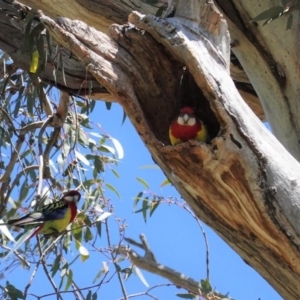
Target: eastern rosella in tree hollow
x=187, y=127
x=52, y=218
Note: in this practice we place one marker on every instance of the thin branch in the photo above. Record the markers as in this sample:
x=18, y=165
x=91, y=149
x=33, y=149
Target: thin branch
x=38, y=264
x=31, y=127
x=8, y=118
x=6, y=176
x=47, y=171
x=41, y=167
x=31, y=279
x=77, y=291
x=53, y=181
x=163, y=271
x=113, y=259
x=8, y=69
x=149, y=255
x=46, y=155
x=187, y=208
x=13, y=159
x=82, y=289
x=46, y=104
x=52, y=244
x=42, y=259
x=24, y=261
x=17, y=178
x=207, y=249
x=147, y=292
x=57, y=121
x=51, y=143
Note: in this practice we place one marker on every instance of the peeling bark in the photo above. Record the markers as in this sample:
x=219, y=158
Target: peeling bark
x=237, y=183
x=269, y=57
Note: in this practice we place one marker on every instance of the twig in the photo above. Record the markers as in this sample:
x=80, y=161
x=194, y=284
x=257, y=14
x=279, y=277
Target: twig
x=113, y=259
x=53, y=181
x=177, y=278
x=18, y=255
x=36, y=268
x=41, y=167
x=42, y=259
x=52, y=244
x=207, y=249
x=57, y=121
x=149, y=255
x=46, y=104
x=5, y=178
x=147, y=292
x=31, y=127
x=187, y=208
x=17, y=178
x=9, y=120
x=8, y=69
x=13, y=159
x=82, y=289
x=31, y=279
x=51, y=143
x=77, y=291
x=47, y=172
x=10, y=166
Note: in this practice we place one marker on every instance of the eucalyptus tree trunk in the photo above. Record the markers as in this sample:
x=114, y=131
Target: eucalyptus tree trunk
x=243, y=183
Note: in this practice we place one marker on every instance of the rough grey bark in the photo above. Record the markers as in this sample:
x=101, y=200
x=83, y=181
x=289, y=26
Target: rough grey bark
x=237, y=183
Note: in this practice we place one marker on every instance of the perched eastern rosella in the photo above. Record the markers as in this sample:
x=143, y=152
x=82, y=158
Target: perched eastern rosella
x=52, y=218
x=187, y=127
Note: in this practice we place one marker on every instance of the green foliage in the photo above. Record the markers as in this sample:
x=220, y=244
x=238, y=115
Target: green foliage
x=103, y=270
x=74, y=158
x=149, y=204
x=91, y=296
x=205, y=286
x=13, y=292
x=108, y=105
x=143, y=182
x=186, y=296
x=113, y=189
x=160, y=11
x=138, y=272
x=165, y=182
x=276, y=12
x=55, y=265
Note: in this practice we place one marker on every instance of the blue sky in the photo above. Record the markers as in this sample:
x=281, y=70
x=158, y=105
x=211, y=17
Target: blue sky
x=174, y=236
